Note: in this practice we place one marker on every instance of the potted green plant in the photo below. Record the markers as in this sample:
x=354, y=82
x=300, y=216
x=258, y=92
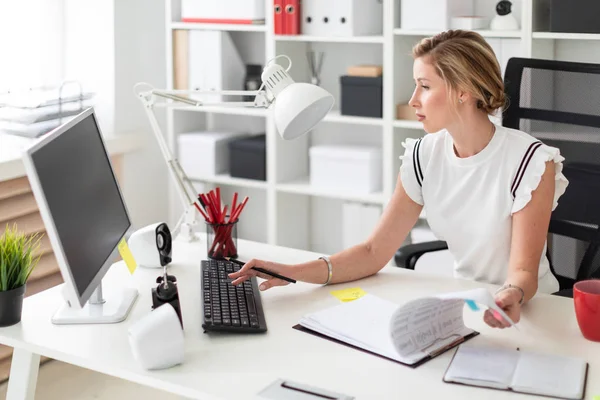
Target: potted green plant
x=17, y=260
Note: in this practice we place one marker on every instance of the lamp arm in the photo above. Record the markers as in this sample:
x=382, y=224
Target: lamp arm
x=184, y=184
x=261, y=99
x=176, y=171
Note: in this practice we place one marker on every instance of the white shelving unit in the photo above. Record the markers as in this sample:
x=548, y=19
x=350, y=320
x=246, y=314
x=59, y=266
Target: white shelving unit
x=286, y=209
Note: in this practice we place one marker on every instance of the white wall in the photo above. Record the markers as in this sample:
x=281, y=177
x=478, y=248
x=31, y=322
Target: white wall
x=24, y=49
x=140, y=57
x=89, y=53
x=109, y=46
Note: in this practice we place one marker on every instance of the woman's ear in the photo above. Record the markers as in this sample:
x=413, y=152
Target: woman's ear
x=464, y=97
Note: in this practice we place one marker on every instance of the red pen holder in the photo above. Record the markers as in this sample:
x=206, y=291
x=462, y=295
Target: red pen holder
x=221, y=240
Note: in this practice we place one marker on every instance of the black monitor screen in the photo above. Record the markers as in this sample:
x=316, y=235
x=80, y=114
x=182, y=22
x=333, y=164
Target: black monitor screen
x=83, y=198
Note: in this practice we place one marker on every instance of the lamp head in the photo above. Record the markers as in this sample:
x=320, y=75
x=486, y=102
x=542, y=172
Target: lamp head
x=297, y=107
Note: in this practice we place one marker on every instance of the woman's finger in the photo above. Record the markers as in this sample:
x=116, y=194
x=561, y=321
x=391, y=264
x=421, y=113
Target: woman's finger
x=241, y=279
x=272, y=283
x=503, y=323
x=245, y=270
x=489, y=319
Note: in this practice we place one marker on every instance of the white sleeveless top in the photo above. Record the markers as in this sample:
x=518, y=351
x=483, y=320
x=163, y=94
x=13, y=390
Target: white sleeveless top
x=470, y=201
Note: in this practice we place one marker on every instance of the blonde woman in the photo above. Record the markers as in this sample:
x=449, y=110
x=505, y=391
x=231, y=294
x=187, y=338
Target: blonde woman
x=489, y=190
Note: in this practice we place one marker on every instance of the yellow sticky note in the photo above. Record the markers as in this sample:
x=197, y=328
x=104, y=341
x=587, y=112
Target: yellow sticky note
x=596, y=397
x=349, y=294
x=127, y=256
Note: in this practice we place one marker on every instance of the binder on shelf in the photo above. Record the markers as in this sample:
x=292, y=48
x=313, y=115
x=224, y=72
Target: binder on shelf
x=505, y=49
x=291, y=17
x=278, y=16
x=181, y=46
x=214, y=64
x=342, y=17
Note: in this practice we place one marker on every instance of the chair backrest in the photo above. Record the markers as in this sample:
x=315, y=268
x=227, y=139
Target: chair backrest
x=558, y=102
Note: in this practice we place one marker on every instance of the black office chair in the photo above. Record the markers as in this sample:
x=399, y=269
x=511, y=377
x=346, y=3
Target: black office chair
x=559, y=103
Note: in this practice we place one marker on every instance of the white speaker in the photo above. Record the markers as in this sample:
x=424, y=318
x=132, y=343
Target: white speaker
x=151, y=245
x=157, y=340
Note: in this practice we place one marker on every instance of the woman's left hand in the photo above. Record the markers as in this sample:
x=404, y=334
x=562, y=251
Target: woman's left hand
x=508, y=301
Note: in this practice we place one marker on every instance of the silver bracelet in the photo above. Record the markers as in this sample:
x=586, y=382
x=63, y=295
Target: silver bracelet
x=329, y=269
x=511, y=286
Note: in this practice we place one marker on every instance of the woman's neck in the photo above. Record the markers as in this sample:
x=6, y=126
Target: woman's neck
x=471, y=134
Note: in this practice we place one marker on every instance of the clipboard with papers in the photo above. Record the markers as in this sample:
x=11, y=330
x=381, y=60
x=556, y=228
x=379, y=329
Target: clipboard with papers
x=410, y=334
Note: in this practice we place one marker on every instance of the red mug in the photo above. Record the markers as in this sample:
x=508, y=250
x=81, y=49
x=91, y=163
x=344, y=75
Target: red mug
x=586, y=296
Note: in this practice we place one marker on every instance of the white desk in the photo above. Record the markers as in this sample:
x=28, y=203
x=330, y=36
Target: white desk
x=220, y=366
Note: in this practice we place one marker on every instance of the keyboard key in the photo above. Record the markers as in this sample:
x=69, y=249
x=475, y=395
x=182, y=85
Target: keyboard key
x=251, y=306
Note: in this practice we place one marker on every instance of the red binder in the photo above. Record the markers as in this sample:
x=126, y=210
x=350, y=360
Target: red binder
x=278, y=16
x=291, y=17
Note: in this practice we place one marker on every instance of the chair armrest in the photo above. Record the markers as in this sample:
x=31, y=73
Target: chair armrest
x=407, y=256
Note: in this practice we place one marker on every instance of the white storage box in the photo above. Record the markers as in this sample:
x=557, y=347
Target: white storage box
x=470, y=23
x=432, y=14
x=205, y=154
x=342, y=17
x=220, y=11
x=355, y=169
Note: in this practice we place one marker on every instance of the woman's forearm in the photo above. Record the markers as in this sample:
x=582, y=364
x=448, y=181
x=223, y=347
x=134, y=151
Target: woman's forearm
x=526, y=281
x=351, y=264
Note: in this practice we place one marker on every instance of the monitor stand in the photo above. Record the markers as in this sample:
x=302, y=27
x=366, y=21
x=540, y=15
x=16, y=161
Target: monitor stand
x=98, y=310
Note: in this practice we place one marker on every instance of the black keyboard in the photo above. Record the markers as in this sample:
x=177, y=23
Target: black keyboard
x=226, y=307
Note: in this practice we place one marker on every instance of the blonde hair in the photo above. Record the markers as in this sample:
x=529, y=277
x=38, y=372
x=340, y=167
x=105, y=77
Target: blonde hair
x=466, y=62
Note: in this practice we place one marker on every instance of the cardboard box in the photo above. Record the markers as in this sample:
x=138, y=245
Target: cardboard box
x=372, y=71
x=405, y=112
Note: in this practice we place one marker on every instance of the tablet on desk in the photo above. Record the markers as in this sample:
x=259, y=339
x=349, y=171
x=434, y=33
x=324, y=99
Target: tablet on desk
x=288, y=390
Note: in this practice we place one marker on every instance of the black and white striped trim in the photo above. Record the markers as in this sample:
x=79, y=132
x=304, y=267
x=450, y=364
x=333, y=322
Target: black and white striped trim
x=523, y=166
x=417, y=163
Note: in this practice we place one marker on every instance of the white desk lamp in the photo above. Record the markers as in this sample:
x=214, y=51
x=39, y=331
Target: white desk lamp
x=297, y=108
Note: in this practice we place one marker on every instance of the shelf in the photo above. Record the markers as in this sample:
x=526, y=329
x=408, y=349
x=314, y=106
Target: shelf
x=302, y=186
x=219, y=27
x=226, y=179
x=409, y=124
x=484, y=33
x=330, y=39
x=249, y=111
x=335, y=116
x=567, y=36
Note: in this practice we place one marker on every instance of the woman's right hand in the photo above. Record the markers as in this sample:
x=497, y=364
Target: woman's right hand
x=246, y=272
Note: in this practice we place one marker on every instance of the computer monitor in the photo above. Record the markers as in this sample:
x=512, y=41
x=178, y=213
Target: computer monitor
x=80, y=202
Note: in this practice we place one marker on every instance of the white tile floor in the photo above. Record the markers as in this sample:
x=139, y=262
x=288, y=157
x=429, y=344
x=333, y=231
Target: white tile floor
x=59, y=381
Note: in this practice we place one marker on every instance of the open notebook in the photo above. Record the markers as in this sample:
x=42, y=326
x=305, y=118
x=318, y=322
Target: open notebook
x=519, y=371
x=410, y=334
